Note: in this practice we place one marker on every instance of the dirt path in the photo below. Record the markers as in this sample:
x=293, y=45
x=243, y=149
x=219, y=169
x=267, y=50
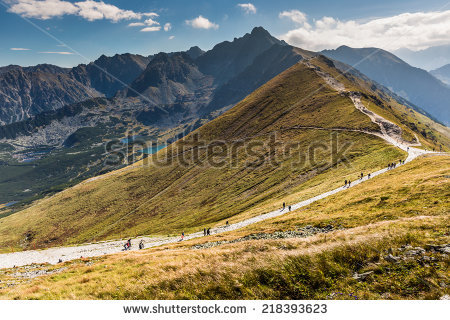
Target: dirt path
x=390, y=132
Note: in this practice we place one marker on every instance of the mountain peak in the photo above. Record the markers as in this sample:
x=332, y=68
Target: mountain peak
x=195, y=52
x=260, y=31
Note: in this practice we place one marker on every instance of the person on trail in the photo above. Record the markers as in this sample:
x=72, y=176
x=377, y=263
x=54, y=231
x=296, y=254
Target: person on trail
x=345, y=183
x=227, y=223
x=182, y=236
x=407, y=149
x=368, y=176
x=208, y=232
x=349, y=183
x=141, y=245
x=204, y=231
x=289, y=208
x=284, y=205
x=362, y=175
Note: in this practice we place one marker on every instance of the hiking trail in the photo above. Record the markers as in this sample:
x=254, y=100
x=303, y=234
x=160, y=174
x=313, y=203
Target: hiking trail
x=389, y=131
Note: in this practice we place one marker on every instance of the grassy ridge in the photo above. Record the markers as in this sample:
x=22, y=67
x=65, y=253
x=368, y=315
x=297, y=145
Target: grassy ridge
x=177, y=198
x=174, y=198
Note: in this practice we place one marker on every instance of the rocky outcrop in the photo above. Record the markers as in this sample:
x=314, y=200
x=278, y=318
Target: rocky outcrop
x=27, y=91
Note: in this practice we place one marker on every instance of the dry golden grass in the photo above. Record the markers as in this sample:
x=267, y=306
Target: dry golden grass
x=316, y=267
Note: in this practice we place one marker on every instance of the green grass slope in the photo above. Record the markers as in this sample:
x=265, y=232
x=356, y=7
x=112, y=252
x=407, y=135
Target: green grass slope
x=150, y=198
x=321, y=266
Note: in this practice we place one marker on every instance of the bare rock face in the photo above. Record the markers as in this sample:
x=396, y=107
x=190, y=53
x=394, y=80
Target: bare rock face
x=27, y=91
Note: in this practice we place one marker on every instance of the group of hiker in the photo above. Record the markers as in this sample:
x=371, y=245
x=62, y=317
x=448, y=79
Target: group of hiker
x=127, y=245
x=393, y=164
x=284, y=207
x=348, y=183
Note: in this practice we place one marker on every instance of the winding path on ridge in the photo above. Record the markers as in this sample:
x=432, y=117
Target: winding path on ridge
x=390, y=132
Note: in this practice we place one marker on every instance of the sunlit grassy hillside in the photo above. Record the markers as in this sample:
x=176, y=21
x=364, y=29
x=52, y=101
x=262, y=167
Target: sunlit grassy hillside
x=389, y=214
x=202, y=189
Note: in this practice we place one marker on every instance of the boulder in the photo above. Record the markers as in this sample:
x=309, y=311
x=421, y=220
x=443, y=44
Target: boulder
x=391, y=258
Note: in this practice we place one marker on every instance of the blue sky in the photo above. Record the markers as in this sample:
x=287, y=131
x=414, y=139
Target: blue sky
x=91, y=28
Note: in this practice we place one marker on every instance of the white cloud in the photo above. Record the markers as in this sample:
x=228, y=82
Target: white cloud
x=151, y=22
x=415, y=31
x=247, y=7
x=88, y=9
x=44, y=9
x=151, y=29
x=150, y=14
x=93, y=10
x=136, y=24
x=294, y=15
x=57, y=52
x=171, y=37
x=167, y=26
x=201, y=23
x=19, y=49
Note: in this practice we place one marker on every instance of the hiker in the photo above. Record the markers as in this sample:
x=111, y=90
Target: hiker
x=204, y=231
x=227, y=224
x=368, y=176
x=289, y=208
x=127, y=245
x=284, y=205
x=407, y=149
x=182, y=236
x=141, y=245
x=349, y=182
x=345, y=183
x=362, y=175
x=208, y=232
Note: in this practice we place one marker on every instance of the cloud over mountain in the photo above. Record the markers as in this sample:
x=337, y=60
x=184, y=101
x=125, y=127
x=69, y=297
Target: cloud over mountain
x=201, y=23
x=416, y=31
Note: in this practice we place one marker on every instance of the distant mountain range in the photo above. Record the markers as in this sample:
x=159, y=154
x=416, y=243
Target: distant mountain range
x=442, y=73
x=27, y=91
x=414, y=84
x=200, y=82
x=189, y=77
x=427, y=59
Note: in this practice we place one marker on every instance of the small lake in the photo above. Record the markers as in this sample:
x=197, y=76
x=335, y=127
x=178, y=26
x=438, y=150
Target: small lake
x=153, y=149
x=10, y=203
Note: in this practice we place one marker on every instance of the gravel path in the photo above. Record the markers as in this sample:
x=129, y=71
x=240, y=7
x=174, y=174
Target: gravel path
x=390, y=132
